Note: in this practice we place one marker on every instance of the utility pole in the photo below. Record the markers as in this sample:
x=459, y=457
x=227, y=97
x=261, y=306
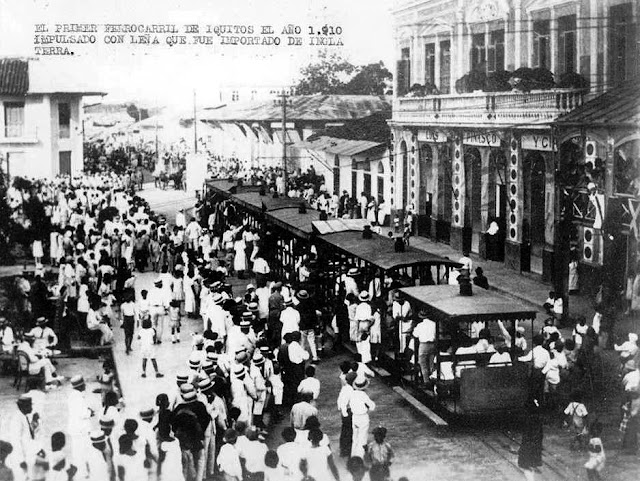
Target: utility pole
x=195, y=123
x=283, y=100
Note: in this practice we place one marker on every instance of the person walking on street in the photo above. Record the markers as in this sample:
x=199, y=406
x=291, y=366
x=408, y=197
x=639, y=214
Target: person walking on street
x=360, y=404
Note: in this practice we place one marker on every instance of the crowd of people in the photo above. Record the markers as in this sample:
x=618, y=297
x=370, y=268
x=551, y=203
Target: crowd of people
x=253, y=360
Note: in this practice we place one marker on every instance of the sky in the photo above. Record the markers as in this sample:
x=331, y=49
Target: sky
x=167, y=75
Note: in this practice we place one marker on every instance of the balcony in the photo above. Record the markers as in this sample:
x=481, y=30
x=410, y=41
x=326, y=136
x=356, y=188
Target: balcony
x=496, y=109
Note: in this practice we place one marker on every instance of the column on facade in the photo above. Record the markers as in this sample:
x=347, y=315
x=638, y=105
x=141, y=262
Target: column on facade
x=460, y=41
x=515, y=209
x=436, y=74
x=580, y=26
x=553, y=41
x=529, y=58
x=605, y=50
x=517, y=36
x=415, y=58
x=593, y=43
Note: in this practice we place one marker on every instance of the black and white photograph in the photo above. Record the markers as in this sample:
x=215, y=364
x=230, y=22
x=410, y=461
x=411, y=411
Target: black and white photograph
x=319, y=240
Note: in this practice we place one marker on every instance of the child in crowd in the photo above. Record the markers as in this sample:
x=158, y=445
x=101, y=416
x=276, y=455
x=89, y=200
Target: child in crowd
x=272, y=471
x=57, y=460
x=310, y=384
x=174, y=320
x=128, y=312
x=106, y=378
x=147, y=336
x=379, y=455
x=228, y=458
x=578, y=422
x=143, y=308
x=579, y=331
x=597, y=458
x=277, y=389
x=548, y=304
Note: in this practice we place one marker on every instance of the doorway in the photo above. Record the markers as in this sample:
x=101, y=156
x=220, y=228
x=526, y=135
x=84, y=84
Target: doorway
x=497, y=203
x=65, y=162
x=533, y=223
x=445, y=194
x=472, y=229
x=425, y=190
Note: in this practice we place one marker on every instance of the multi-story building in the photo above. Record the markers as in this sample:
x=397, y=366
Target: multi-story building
x=475, y=140
x=41, y=120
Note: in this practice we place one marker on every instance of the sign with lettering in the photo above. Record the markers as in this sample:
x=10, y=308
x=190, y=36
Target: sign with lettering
x=544, y=142
x=479, y=139
x=278, y=125
x=431, y=136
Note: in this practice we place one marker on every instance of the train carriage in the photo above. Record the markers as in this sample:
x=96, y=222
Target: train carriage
x=477, y=387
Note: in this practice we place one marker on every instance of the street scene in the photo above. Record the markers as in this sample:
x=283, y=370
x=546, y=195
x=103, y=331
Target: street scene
x=384, y=241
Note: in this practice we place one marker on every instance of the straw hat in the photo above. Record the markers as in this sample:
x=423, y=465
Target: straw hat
x=77, y=382
x=353, y=271
x=361, y=383
x=364, y=296
x=302, y=295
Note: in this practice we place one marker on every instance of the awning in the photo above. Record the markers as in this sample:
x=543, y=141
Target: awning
x=339, y=146
x=619, y=107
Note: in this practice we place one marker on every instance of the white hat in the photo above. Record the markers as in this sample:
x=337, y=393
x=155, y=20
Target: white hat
x=591, y=186
x=633, y=337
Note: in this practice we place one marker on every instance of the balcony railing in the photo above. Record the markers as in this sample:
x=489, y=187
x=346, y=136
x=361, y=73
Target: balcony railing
x=492, y=108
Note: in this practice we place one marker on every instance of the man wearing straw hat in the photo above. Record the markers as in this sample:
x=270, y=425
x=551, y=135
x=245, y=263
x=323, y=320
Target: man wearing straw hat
x=99, y=463
x=79, y=426
x=360, y=404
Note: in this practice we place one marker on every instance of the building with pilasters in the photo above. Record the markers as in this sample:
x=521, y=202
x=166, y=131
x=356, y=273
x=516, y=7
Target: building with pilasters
x=479, y=87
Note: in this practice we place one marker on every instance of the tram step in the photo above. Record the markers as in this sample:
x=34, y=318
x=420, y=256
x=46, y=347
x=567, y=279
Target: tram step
x=435, y=419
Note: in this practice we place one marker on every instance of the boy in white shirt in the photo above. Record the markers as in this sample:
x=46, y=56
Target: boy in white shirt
x=310, y=384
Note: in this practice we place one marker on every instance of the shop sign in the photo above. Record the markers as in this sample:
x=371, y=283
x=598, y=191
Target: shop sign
x=431, y=136
x=478, y=139
x=544, y=142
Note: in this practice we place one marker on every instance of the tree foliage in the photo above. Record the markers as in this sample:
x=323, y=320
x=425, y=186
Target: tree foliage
x=136, y=113
x=333, y=75
x=372, y=79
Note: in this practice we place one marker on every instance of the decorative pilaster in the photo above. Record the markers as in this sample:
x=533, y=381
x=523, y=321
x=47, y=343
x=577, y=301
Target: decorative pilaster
x=515, y=210
x=458, y=185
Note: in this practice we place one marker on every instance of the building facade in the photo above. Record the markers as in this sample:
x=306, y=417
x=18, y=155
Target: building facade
x=41, y=121
x=479, y=86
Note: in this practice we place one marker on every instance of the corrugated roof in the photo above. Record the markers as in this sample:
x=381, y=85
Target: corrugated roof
x=338, y=146
x=379, y=251
x=444, y=302
x=14, y=76
x=620, y=106
x=304, y=107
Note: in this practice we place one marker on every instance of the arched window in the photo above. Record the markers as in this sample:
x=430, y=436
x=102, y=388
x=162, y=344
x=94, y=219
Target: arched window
x=380, y=168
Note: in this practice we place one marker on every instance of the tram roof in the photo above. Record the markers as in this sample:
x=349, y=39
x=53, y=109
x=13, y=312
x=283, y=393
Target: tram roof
x=444, y=302
x=226, y=186
x=379, y=251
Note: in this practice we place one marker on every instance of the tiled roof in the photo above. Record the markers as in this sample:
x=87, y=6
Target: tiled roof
x=14, y=76
x=620, y=106
x=304, y=107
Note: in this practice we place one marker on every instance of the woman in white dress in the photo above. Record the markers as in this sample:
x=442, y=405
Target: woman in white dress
x=240, y=259
x=372, y=212
x=55, y=248
x=189, y=294
x=382, y=212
